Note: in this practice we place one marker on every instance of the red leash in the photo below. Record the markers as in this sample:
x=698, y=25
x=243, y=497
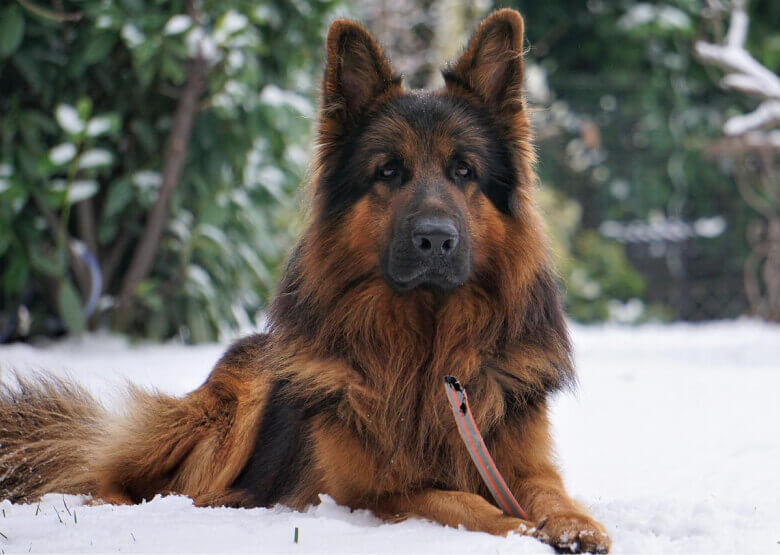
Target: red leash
x=469, y=433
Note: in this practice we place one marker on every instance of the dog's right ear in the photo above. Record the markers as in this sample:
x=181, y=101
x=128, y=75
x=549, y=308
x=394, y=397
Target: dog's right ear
x=357, y=74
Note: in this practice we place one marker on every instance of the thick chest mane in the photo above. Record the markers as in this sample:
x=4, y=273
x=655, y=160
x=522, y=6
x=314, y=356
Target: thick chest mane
x=383, y=356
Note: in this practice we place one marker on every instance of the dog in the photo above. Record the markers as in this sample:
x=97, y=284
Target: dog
x=423, y=255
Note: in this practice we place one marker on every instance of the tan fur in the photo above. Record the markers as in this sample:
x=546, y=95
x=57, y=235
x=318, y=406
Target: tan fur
x=342, y=339
x=48, y=429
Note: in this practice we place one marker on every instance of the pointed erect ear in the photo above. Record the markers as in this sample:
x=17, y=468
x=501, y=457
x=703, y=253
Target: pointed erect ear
x=356, y=73
x=491, y=66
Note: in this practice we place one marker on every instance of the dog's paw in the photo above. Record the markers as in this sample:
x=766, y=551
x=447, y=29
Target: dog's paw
x=574, y=533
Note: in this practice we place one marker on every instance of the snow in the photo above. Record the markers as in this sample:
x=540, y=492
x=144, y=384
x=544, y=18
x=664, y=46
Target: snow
x=177, y=24
x=228, y=25
x=276, y=97
x=536, y=86
x=62, y=153
x=104, y=21
x=94, y=158
x=68, y=118
x=147, y=179
x=766, y=115
x=98, y=125
x=201, y=45
x=80, y=189
x=132, y=35
x=670, y=441
x=745, y=75
x=667, y=17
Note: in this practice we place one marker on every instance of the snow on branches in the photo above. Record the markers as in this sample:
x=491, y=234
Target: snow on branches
x=744, y=74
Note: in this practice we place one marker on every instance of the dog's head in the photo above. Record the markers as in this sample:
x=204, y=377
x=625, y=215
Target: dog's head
x=422, y=187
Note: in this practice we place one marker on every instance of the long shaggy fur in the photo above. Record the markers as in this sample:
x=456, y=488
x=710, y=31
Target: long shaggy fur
x=48, y=431
x=344, y=395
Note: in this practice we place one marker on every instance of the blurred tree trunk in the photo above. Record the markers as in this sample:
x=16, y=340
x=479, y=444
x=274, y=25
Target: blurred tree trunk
x=175, y=154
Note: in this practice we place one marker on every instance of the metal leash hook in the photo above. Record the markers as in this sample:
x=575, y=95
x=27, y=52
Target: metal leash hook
x=475, y=445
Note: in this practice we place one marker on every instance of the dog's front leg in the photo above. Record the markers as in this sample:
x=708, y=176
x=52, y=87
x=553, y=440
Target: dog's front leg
x=450, y=508
x=524, y=451
x=560, y=521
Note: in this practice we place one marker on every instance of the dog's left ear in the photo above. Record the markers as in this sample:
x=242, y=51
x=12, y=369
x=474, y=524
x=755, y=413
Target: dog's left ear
x=491, y=66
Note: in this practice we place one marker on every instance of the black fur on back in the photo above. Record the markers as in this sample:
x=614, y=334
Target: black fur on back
x=280, y=453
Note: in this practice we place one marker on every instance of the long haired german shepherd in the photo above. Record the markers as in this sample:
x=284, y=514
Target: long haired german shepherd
x=423, y=256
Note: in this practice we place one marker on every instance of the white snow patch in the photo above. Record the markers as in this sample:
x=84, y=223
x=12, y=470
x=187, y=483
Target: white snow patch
x=94, y=158
x=98, y=125
x=235, y=60
x=710, y=227
x=230, y=23
x=81, y=189
x=177, y=24
x=199, y=43
x=132, y=35
x=642, y=13
x=104, y=21
x=670, y=442
x=68, y=118
x=62, y=153
x=276, y=97
x=147, y=179
x=536, y=86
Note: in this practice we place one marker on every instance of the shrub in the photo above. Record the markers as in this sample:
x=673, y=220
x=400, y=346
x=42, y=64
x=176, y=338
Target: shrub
x=90, y=119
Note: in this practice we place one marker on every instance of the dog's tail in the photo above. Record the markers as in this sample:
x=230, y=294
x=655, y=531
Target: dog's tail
x=48, y=432
x=56, y=438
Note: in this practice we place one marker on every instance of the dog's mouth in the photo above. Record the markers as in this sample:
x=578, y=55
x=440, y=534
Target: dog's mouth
x=431, y=278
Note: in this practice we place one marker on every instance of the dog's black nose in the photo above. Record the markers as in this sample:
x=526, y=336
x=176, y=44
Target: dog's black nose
x=435, y=236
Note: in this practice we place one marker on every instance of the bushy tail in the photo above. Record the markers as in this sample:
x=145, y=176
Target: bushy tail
x=48, y=431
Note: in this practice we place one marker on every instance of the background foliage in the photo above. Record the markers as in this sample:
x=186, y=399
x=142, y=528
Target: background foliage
x=628, y=118
x=89, y=92
x=87, y=97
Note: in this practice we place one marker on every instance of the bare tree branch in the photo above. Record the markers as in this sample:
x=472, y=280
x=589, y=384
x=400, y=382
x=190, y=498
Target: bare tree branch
x=745, y=73
x=86, y=223
x=766, y=116
x=175, y=154
x=114, y=256
x=746, y=135
x=59, y=16
x=737, y=32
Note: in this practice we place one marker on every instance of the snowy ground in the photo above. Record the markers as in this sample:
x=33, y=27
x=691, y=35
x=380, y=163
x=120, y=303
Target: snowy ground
x=672, y=442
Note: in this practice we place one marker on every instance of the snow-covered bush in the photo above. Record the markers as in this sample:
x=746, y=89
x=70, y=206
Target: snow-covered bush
x=167, y=137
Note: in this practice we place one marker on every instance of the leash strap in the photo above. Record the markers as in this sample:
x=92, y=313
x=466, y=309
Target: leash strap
x=469, y=433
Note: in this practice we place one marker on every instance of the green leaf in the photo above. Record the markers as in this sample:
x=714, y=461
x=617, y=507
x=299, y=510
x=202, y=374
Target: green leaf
x=69, y=305
x=30, y=70
x=98, y=47
x=52, y=266
x=16, y=274
x=120, y=193
x=198, y=324
x=5, y=241
x=11, y=30
x=84, y=108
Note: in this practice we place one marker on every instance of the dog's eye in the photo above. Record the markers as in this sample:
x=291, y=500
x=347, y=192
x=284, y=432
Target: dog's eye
x=389, y=171
x=463, y=170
